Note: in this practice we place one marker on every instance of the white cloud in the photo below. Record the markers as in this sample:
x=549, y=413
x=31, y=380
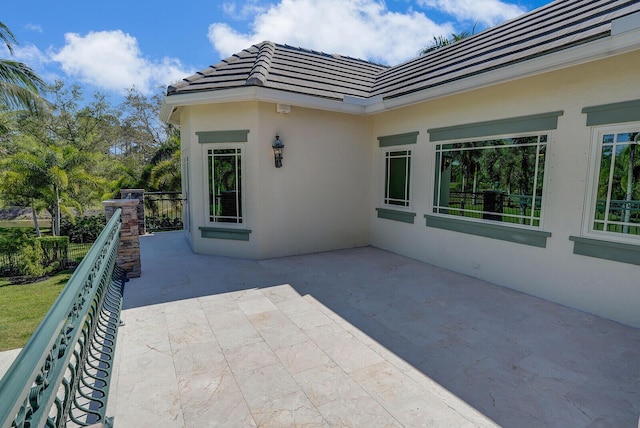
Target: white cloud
x=112, y=60
x=486, y=12
x=358, y=28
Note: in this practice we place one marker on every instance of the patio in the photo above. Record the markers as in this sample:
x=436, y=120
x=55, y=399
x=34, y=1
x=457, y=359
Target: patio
x=359, y=337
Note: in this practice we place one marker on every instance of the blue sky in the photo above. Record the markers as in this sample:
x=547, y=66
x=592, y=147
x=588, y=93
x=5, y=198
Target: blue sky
x=112, y=46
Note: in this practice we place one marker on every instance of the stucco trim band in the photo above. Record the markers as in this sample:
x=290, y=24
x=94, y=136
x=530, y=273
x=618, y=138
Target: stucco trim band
x=616, y=251
x=225, y=233
x=398, y=139
x=513, y=125
x=535, y=238
x=403, y=216
x=235, y=136
x=627, y=111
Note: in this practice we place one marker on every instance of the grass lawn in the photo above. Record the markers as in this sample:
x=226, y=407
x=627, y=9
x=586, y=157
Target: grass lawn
x=22, y=307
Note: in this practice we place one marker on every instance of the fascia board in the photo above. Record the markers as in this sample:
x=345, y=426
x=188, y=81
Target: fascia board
x=254, y=93
x=596, y=50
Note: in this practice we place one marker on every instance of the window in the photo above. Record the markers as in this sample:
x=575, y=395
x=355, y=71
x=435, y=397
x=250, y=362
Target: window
x=498, y=179
x=225, y=185
x=615, y=203
x=397, y=177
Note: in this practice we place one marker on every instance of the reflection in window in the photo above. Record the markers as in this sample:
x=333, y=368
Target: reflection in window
x=617, y=206
x=225, y=185
x=397, y=177
x=498, y=179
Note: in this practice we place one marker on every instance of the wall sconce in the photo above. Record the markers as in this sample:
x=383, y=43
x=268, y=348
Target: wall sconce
x=277, y=151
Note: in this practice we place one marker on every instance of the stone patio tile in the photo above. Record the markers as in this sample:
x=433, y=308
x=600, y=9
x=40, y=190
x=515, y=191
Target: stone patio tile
x=209, y=400
x=280, y=293
x=216, y=303
x=256, y=304
x=288, y=410
x=327, y=383
x=262, y=386
x=403, y=398
x=309, y=319
x=302, y=356
x=232, y=329
x=347, y=351
x=360, y=412
x=250, y=357
x=199, y=360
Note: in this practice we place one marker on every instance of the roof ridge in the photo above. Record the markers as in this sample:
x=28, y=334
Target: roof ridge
x=328, y=55
x=260, y=71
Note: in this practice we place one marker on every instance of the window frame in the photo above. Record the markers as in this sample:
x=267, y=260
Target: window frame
x=408, y=185
x=588, y=230
x=435, y=207
x=242, y=200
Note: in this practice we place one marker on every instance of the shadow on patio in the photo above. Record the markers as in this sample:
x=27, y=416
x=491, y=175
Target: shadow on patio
x=354, y=338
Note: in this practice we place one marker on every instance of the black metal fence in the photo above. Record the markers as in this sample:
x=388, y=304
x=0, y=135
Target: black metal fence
x=163, y=211
x=13, y=263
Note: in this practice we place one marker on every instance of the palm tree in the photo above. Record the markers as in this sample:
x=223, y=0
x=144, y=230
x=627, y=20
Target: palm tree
x=442, y=41
x=20, y=86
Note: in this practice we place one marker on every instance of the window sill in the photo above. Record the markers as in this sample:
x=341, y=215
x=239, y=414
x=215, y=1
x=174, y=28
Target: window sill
x=616, y=251
x=225, y=233
x=535, y=238
x=402, y=216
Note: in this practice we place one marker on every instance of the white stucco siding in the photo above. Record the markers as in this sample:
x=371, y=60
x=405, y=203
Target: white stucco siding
x=319, y=199
x=606, y=288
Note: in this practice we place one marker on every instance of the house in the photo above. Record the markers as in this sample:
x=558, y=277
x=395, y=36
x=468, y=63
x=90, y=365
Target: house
x=512, y=156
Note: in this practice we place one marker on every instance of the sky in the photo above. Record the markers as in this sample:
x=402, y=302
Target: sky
x=112, y=46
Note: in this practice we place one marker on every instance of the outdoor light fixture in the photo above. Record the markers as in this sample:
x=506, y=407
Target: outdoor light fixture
x=277, y=151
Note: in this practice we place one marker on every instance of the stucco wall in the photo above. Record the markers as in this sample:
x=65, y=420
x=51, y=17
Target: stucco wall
x=318, y=200
x=607, y=288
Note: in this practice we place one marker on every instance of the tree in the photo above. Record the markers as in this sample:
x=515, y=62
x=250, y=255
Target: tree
x=59, y=156
x=20, y=86
x=442, y=41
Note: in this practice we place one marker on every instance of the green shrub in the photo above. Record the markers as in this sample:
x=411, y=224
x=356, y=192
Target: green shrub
x=84, y=229
x=30, y=258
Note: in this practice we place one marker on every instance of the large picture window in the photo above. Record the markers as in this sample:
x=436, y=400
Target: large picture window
x=497, y=179
x=225, y=185
x=397, y=177
x=616, y=205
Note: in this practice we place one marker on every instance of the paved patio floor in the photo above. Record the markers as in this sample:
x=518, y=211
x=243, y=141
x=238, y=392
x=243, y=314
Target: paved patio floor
x=361, y=338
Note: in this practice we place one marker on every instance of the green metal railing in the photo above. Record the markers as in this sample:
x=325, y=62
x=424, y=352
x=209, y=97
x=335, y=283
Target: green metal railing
x=62, y=374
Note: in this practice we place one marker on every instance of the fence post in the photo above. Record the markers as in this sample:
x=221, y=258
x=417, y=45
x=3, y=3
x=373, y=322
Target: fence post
x=129, y=250
x=139, y=195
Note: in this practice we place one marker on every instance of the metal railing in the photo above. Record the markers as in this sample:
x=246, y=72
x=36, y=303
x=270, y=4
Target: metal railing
x=61, y=376
x=163, y=211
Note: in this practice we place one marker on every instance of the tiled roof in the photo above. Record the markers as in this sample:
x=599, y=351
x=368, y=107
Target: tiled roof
x=559, y=25
x=556, y=26
x=289, y=69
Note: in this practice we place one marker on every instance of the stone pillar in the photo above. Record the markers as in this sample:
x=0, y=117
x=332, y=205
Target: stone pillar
x=139, y=195
x=129, y=250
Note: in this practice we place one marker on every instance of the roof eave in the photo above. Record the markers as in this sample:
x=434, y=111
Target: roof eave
x=606, y=47
x=254, y=93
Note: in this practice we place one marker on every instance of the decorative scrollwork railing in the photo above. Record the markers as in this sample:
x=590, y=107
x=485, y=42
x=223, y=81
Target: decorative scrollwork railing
x=61, y=376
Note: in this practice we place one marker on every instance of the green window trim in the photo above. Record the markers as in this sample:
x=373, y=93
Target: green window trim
x=225, y=233
x=535, y=238
x=627, y=111
x=615, y=251
x=514, y=125
x=402, y=216
x=234, y=136
x=398, y=139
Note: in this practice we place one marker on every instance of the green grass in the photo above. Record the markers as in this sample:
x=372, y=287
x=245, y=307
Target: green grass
x=22, y=307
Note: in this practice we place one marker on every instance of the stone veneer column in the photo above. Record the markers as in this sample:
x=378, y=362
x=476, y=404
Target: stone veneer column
x=129, y=250
x=139, y=195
